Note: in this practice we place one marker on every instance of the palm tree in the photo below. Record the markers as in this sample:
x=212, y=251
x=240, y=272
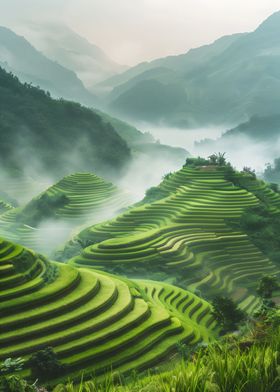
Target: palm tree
x=218, y=158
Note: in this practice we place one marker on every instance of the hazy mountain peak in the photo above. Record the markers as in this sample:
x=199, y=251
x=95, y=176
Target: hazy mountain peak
x=18, y=56
x=61, y=43
x=271, y=24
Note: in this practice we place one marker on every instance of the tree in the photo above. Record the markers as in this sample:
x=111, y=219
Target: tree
x=250, y=171
x=213, y=159
x=44, y=364
x=218, y=159
x=227, y=314
x=221, y=158
x=267, y=285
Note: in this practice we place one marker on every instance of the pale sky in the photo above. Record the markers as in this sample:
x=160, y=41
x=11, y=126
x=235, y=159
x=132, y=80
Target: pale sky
x=132, y=31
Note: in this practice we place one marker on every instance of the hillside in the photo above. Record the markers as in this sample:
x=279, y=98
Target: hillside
x=190, y=236
x=127, y=132
x=42, y=135
x=260, y=133
x=258, y=129
x=63, y=45
x=227, y=82
x=94, y=322
x=46, y=221
x=186, y=61
x=272, y=172
x=18, y=56
x=145, y=148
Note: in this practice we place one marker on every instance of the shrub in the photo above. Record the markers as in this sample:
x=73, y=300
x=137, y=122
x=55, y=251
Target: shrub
x=226, y=312
x=44, y=364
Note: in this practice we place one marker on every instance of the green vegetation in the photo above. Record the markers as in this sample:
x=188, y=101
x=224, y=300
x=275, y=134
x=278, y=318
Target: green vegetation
x=63, y=136
x=253, y=132
x=240, y=364
x=262, y=227
x=257, y=128
x=268, y=284
x=88, y=322
x=272, y=172
x=45, y=365
x=126, y=131
x=43, y=207
x=79, y=199
x=227, y=314
x=187, y=237
x=68, y=323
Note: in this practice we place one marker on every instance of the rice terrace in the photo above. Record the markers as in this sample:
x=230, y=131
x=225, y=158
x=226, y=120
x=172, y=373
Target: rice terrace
x=139, y=197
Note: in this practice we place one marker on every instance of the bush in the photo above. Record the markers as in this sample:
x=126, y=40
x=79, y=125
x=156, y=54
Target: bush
x=154, y=194
x=44, y=364
x=227, y=314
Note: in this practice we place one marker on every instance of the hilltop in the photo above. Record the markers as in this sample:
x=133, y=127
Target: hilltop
x=46, y=221
x=188, y=231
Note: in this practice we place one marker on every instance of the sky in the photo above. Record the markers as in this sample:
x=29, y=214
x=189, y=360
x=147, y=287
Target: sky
x=132, y=31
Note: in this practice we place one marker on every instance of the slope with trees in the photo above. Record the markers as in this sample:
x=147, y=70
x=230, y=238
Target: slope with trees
x=55, y=137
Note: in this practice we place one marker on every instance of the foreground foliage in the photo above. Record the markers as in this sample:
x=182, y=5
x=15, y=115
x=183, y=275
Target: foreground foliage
x=235, y=365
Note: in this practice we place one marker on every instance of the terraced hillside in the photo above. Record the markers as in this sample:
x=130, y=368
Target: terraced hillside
x=93, y=321
x=188, y=235
x=78, y=199
x=4, y=207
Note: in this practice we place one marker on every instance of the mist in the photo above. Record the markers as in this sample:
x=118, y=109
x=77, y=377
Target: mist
x=240, y=150
x=145, y=172
x=134, y=31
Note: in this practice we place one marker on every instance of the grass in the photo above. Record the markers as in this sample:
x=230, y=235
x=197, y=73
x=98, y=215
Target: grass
x=223, y=367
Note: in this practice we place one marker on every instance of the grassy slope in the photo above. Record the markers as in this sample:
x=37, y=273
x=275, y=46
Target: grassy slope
x=228, y=367
x=94, y=321
x=88, y=199
x=186, y=237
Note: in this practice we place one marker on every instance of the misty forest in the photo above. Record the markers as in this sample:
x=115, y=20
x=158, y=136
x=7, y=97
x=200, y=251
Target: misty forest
x=139, y=204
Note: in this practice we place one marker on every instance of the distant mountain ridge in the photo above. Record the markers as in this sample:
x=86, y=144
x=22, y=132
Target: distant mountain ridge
x=62, y=44
x=18, y=56
x=226, y=82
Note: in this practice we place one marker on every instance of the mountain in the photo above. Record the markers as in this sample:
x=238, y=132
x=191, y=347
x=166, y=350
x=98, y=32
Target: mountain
x=18, y=56
x=191, y=230
x=54, y=137
x=61, y=44
x=264, y=129
x=226, y=82
x=259, y=135
x=128, y=132
x=144, y=144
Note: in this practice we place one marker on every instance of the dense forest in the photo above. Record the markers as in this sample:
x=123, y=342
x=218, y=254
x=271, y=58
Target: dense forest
x=56, y=136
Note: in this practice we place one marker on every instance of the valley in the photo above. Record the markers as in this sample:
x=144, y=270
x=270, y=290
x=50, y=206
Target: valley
x=140, y=203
